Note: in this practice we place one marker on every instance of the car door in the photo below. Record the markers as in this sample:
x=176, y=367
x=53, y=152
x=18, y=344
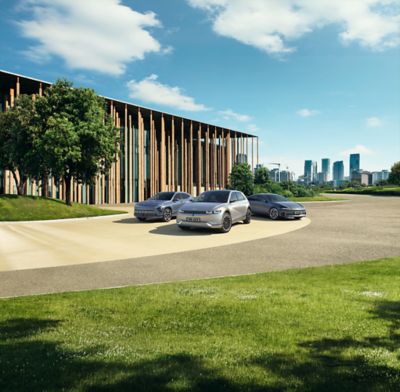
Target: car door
x=176, y=202
x=242, y=204
x=267, y=204
x=234, y=207
x=256, y=204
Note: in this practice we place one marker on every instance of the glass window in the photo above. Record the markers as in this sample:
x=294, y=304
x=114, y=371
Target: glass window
x=240, y=196
x=234, y=197
x=277, y=198
x=163, y=196
x=185, y=195
x=213, y=197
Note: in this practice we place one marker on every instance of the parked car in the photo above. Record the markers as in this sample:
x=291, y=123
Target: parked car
x=163, y=205
x=275, y=206
x=215, y=210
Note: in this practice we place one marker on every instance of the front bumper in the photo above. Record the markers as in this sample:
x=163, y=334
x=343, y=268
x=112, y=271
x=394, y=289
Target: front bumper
x=206, y=221
x=292, y=214
x=151, y=214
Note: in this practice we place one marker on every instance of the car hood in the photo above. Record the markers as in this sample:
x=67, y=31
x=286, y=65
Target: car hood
x=150, y=203
x=196, y=206
x=289, y=204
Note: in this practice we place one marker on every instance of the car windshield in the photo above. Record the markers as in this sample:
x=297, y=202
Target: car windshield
x=213, y=197
x=277, y=198
x=163, y=196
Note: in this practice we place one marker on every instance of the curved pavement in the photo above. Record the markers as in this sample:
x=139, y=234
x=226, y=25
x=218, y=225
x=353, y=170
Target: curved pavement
x=367, y=227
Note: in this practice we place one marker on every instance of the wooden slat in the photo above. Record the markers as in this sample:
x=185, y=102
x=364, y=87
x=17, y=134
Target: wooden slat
x=199, y=162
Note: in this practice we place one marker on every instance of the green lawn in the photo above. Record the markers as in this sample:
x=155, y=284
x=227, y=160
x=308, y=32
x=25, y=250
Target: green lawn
x=320, y=329
x=315, y=198
x=371, y=190
x=25, y=208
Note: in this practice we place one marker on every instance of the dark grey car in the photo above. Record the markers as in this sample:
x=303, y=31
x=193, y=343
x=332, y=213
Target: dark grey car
x=163, y=205
x=275, y=206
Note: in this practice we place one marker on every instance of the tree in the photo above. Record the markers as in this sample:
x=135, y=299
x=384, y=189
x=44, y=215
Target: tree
x=79, y=139
x=394, y=176
x=261, y=176
x=241, y=178
x=19, y=135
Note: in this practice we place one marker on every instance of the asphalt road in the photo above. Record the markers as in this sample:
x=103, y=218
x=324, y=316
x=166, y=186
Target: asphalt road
x=364, y=228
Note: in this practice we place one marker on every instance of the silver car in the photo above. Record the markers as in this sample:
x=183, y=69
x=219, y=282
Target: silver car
x=163, y=205
x=215, y=210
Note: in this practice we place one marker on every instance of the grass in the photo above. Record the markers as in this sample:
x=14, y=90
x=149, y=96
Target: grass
x=334, y=328
x=315, y=198
x=372, y=190
x=27, y=208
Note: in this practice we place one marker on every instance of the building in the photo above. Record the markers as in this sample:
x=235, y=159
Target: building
x=310, y=171
x=321, y=178
x=158, y=152
x=354, y=166
x=338, y=173
x=326, y=169
x=362, y=177
x=274, y=175
x=378, y=176
x=286, y=176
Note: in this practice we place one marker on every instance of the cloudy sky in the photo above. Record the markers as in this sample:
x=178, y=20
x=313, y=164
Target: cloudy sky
x=311, y=78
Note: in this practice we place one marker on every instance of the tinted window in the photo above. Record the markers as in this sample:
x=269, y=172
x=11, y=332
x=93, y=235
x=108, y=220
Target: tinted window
x=277, y=198
x=213, y=197
x=177, y=197
x=163, y=196
x=253, y=198
x=234, y=197
x=185, y=196
x=240, y=196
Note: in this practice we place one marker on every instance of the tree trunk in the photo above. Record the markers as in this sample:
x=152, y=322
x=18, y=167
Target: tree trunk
x=17, y=182
x=45, y=185
x=68, y=191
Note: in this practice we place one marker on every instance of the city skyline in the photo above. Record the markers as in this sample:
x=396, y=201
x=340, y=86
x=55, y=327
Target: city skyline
x=325, y=83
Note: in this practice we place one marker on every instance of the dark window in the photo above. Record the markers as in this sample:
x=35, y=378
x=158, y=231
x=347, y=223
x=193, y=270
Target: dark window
x=234, y=197
x=213, y=197
x=163, y=196
x=277, y=198
x=240, y=196
x=185, y=195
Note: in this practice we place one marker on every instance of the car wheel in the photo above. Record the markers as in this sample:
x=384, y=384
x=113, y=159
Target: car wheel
x=167, y=215
x=226, y=223
x=247, y=220
x=273, y=213
x=142, y=219
x=185, y=228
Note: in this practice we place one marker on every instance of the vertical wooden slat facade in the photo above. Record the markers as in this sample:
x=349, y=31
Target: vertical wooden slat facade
x=158, y=151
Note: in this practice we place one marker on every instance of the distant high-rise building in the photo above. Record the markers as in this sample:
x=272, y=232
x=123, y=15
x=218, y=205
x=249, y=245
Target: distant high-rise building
x=378, y=176
x=338, y=173
x=354, y=164
x=310, y=171
x=361, y=176
x=315, y=172
x=274, y=175
x=286, y=176
x=326, y=169
x=321, y=178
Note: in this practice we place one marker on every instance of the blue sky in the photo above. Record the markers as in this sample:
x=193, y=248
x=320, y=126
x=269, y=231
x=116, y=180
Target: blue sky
x=311, y=78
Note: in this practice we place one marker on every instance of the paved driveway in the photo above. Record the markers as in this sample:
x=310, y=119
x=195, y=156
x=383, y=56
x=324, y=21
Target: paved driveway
x=367, y=227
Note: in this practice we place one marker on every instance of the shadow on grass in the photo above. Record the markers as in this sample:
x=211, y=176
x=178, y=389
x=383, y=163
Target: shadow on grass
x=29, y=361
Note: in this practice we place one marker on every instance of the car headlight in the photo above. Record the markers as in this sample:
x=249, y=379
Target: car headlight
x=160, y=208
x=216, y=211
x=180, y=211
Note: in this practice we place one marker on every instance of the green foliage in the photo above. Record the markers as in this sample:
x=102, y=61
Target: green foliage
x=241, y=178
x=19, y=135
x=333, y=328
x=261, y=176
x=79, y=139
x=27, y=208
x=394, y=176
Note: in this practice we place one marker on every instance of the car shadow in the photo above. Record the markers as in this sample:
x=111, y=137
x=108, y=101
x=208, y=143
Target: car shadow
x=174, y=230
x=135, y=221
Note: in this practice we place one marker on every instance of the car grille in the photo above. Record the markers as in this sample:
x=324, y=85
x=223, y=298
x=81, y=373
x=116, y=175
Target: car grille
x=194, y=212
x=140, y=211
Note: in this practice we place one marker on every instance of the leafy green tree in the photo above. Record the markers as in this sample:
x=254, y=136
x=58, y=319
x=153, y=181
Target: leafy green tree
x=241, y=178
x=19, y=135
x=261, y=176
x=394, y=176
x=79, y=139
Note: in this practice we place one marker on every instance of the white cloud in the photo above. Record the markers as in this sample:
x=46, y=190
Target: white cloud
x=358, y=149
x=229, y=114
x=152, y=91
x=252, y=128
x=373, y=122
x=307, y=112
x=99, y=35
x=270, y=25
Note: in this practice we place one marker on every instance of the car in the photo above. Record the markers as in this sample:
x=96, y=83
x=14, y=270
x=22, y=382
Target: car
x=217, y=209
x=163, y=205
x=275, y=206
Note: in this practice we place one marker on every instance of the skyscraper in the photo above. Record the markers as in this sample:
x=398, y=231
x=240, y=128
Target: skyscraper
x=338, y=172
x=326, y=172
x=310, y=171
x=354, y=164
x=315, y=172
